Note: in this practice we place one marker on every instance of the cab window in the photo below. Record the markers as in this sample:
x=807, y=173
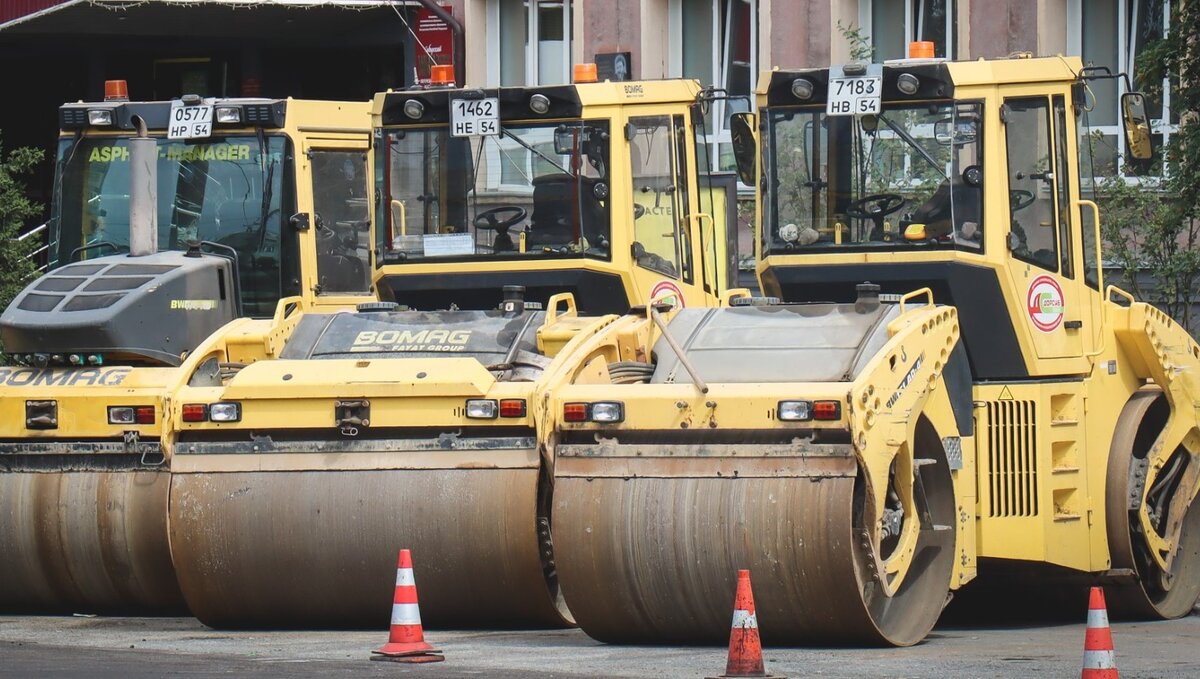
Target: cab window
x=1033, y=234
x=343, y=221
x=652, y=149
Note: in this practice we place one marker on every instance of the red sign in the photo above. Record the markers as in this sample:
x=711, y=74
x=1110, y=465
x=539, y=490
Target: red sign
x=1045, y=303
x=435, y=43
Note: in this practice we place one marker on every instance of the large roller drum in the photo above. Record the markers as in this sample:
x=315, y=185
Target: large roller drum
x=301, y=538
x=649, y=539
x=1155, y=593
x=85, y=541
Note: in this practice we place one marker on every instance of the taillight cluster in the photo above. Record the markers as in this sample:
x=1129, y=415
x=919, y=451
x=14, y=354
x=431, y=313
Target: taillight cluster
x=804, y=411
x=131, y=414
x=224, y=411
x=598, y=411
x=490, y=409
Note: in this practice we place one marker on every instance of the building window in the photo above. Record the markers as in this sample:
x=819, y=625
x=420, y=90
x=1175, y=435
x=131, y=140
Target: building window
x=717, y=43
x=529, y=42
x=1114, y=33
x=892, y=24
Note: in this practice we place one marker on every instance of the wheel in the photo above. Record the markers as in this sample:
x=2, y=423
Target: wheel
x=1156, y=593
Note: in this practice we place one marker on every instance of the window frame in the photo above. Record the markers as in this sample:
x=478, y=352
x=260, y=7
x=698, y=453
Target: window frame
x=866, y=24
x=532, y=21
x=1126, y=63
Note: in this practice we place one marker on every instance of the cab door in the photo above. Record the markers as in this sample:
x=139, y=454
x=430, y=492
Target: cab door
x=714, y=218
x=661, y=247
x=335, y=198
x=1042, y=222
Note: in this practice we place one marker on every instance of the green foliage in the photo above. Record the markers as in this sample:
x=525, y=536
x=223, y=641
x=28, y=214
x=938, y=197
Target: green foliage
x=1154, y=227
x=16, y=268
x=860, y=43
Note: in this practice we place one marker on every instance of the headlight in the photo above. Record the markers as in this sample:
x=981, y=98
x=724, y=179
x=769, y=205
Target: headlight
x=100, y=116
x=414, y=109
x=795, y=411
x=225, y=412
x=229, y=114
x=608, y=411
x=539, y=104
x=908, y=83
x=802, y=89
x=482, y=409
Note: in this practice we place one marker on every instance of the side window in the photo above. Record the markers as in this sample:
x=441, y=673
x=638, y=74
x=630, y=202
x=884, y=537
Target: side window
x=1033, y=235
x=655, y=222
x=1062, y=185
x=342, y=221
x=683, y=205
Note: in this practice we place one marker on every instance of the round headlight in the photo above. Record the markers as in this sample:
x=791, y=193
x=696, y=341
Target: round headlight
x=414, y=109
x=908, y=83
x=802, y=89
x=539, y=103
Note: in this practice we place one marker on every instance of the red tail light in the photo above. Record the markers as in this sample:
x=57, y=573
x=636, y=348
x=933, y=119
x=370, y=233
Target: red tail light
x=827, y=410
x=144, y=414
x=575, y=412
x=195, y=412
x=512, y=407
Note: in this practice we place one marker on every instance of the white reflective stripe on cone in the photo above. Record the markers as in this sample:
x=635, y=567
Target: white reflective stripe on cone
x=745, y=619
x=1099, y=660
x=404, y=577
x=406, y=614
x=1097, y=617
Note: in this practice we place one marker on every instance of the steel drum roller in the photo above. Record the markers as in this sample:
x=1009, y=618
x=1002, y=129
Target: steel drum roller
x=86, y=541
x=318, y=548
x=645, y=559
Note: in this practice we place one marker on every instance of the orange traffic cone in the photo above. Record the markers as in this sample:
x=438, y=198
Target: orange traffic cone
x=745, y=648
x=1099, y=659
x=406, y=643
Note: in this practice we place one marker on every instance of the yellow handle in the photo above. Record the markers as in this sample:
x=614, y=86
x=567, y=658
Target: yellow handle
x=403, y=216
x=916, y=293
x=552, y=305
x=1096, y=219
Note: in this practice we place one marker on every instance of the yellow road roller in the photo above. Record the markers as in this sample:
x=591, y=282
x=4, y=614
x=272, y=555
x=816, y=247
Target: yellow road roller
x=504, y=218
x=949, y=393
x=169, y=220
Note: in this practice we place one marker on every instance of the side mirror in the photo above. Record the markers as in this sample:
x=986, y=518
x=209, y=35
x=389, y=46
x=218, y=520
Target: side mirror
x=745, y=149
x=1137, y=126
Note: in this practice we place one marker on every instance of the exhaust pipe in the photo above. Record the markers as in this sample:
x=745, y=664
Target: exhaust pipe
x=143, y=192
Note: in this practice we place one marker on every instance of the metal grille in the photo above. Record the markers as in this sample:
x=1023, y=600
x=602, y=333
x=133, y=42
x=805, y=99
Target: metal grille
x=1012, y=470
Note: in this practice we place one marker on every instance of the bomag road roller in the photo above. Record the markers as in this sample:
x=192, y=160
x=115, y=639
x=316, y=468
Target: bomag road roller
x=417, y=426
x=949, y=391
x=93, y=346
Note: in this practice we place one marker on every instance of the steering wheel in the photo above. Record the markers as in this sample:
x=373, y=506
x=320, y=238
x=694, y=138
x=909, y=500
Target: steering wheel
x=875, y=207
x=493, y=220
x=1019, y=199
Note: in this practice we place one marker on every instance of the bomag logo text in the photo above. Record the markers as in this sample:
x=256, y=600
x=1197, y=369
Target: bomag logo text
x=410, y=340
x=56, y=377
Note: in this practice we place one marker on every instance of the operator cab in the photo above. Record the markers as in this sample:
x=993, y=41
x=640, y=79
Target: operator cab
x=876, y=172
x=598, y=189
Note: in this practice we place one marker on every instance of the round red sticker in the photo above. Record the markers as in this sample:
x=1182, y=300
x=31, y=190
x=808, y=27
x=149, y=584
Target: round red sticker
x=668, y=293
x=1045, y=303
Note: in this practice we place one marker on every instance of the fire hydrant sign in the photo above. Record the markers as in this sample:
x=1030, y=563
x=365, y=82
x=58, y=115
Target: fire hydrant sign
x=189, y=122
x=474, y=116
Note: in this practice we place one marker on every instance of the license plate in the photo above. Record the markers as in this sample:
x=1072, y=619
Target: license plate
x=474, y=116
x=190, y=122
x=854, y=96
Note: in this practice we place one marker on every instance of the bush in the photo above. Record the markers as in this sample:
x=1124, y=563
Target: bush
x=16, y=267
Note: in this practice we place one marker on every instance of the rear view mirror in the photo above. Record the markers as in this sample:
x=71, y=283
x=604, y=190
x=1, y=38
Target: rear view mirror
x=955, y=131
x=1137, y=126
x=745, y=149
x=565, y=140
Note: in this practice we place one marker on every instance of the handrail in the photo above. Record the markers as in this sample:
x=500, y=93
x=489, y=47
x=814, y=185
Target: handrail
x=37, y=229
x=915, y=293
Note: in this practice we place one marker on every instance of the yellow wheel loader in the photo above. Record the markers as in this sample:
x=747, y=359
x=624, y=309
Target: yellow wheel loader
x=949, y=392
x=169, y=220
x=504, y=218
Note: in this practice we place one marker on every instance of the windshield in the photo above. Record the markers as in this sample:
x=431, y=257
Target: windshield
x=910, y=176
x=226, y=190
x=532, y=191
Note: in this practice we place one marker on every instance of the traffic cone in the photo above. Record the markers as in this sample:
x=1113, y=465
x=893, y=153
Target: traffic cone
x=1099, y=659
x=406, y=642
x=745, y=648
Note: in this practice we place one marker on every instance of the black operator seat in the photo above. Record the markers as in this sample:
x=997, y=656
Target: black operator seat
x=556, y=210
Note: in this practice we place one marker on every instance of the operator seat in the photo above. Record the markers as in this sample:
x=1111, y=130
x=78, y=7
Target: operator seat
x=555, y=210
